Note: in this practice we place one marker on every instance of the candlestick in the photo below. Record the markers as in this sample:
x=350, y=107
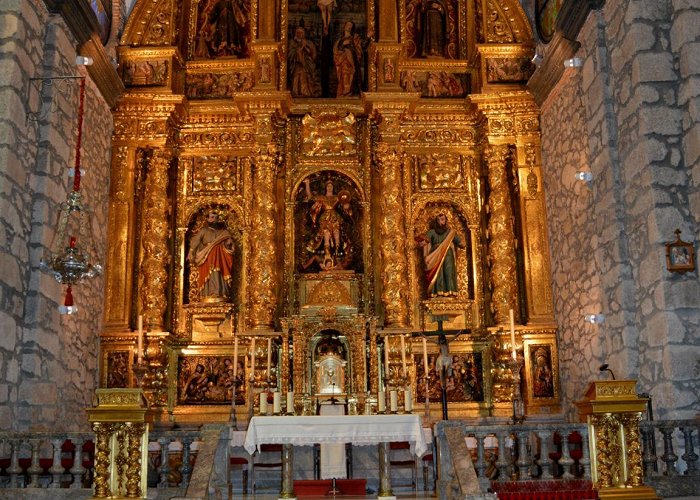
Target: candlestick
x=381, y=402
x=252, y=358
x=512, y=332
x=386, y=357
x=426, y=369
x=139, y=348
x=408, y=400
x=276, y=402
x=403, y=356
x=393, y=401
x=235, y=358
x=269, y=357
x=290, y=402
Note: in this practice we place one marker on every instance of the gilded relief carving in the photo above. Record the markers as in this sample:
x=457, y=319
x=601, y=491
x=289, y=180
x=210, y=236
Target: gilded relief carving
x=440, y=171
x=211, y=380
x=215, y=175
x=145, y=73
x=435, y=83
x=329, y=134
x=217, y=85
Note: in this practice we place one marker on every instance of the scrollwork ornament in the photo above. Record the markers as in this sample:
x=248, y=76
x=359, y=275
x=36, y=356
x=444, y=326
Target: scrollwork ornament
x=630, y=424
x=103, y=433
x=134, y=433
x=502, y=244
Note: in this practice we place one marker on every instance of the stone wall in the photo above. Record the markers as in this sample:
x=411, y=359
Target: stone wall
x=629, y=115
x=48, y=362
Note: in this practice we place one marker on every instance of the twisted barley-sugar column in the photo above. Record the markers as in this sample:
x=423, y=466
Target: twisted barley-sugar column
x=635, y=465
x=134, y=433
x=502, y=242
x=155, y=241
x=392, y=237
x=603, y=424
x=263, y=252
x=103, y=433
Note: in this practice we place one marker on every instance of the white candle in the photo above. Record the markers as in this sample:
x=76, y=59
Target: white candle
x=512, y=332
x=235, y=357
x=263, y=403
x=252, y=357
x=403, y=356
x=139, y=348
x=393, y=401
x=426, y=369
x=276, y=402
x=290, y=402
x=381, y=401
x=386, y=357
x=269, y=357
x=408, y=400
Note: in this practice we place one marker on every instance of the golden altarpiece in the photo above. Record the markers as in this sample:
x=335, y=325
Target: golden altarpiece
x=301, y=194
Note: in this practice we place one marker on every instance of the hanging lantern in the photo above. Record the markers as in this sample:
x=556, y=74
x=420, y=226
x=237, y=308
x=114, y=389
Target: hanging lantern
x=65, y=259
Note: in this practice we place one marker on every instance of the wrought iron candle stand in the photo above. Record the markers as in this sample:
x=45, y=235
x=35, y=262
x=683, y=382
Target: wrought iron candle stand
x=515, y=365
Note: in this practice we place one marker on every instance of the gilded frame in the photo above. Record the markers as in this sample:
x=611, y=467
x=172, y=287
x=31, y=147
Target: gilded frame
x=541, y=382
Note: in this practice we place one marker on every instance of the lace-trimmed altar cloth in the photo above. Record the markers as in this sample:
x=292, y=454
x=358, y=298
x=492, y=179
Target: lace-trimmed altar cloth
x=360, y=430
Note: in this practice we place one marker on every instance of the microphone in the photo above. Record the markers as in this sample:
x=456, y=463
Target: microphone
x=604, y=368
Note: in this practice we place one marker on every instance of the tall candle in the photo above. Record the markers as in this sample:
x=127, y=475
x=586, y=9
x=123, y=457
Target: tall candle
x=512, y=332
x=252, y=357
x=408, y=400
x=290, y=402
x=386, y=357
x=263, y=403
x=276, y=402
x=235, y=357
x=393, y=401
x=425, y=357
x=403, y=356
x=269, y=357
x=381, y=401
x=139, y=340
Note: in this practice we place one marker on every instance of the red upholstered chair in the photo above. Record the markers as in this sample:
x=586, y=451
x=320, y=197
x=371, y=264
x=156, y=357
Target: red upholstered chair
x=400, y=458
x=268, y=457
x=235, y=462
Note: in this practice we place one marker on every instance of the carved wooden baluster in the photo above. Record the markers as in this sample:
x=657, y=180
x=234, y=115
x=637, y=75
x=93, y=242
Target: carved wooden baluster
x=669, y=457
x=690, y=457
x=186, y=465
x=523, y=458
x=480, y=461
x=164, y=469
x=56, y=469
x=649, y=458
x=15, y=470
x=585, y=458
x=77, y=470
x=35, y=468
x=566, y=461
x=545, y=463
x=502, y=462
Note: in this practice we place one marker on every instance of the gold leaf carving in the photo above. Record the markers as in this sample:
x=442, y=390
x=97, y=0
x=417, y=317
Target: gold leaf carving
x=329, y=134
x=329, y=292
x=440, y=171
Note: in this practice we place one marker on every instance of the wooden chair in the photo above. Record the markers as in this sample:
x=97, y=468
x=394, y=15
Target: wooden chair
x=401, y=462
x=262, y=460
x=235, y=462
x=428, y=462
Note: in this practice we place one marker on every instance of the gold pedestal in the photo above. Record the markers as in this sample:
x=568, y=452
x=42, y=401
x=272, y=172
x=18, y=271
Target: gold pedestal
x=613, y=411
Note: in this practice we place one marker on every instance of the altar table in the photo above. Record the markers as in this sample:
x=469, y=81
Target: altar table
x=356, y=429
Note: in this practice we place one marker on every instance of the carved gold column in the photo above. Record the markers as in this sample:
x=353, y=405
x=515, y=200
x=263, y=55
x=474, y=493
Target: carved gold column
x=120, y=252
x=613, y=412
x=154, y=241
x=533, y=217
x=103, y=434
x=502, y=236
x=392, y=237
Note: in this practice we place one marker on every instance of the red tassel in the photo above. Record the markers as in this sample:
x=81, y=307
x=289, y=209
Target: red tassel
x=69, y=297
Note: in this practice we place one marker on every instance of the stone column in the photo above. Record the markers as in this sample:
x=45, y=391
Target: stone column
x=154, y=241
x=502, y=241
x=392, y=237
x=264, y=275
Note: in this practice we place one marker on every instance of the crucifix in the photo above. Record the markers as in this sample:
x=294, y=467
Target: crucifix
x=444, y=361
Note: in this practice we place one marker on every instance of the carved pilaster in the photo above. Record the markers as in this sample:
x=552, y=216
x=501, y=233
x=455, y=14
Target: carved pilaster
x=120, y=255
x=392, y=230
x=502, y=236
x=264, y=275
x=156, y=255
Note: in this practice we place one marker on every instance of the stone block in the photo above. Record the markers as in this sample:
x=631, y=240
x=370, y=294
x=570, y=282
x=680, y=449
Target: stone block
x=38, y=393
x=651, y=10
x=691, y=145
x=12, y=371
x=685, y=28
x=680, y=362
x=689, y=60
x=653, y=67
x=659, y=120
x=8, y=331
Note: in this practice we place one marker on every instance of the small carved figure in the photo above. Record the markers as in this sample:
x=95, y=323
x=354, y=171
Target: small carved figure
x=326, y=8
x=302, y=65
x=347, y=56
x=543, y=382
x=432, y=16
x=211, y=251
x=439, y=255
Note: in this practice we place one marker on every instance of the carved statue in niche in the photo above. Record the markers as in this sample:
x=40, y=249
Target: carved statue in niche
x=327, y=218
x=211, y=259
x=432, y=28
x=438, y=249
x=338, y=31
x=330, y=365
x=303, y=72
x=543, y=379
x=223, y=28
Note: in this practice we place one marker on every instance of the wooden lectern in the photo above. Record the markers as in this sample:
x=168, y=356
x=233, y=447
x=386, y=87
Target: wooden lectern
x=613, y=410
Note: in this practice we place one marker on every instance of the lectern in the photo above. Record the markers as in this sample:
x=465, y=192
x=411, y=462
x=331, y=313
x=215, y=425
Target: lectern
x=613, y=410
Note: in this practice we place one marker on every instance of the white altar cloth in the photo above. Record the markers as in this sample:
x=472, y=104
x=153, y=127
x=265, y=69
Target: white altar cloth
x=359, y=430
